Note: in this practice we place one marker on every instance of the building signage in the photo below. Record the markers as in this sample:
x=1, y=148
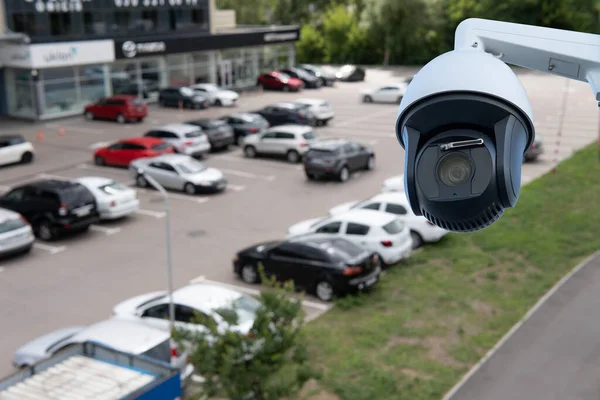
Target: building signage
x=131, y=49
x=50, y=6
x=58, y=5
x=51, y=55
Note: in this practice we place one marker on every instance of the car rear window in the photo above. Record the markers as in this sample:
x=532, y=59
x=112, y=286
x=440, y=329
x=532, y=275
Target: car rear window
x=194, y=134
x=77, y=194
x=11, y=224
x=160, y=146
x=341, y=250
x=112, y=188
x=161, y=352
x=322, y=153
x=309, y=135
x=394, y=227
x=246, y=308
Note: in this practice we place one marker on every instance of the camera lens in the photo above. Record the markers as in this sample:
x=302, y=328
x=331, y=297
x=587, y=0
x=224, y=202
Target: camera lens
x=454, y=169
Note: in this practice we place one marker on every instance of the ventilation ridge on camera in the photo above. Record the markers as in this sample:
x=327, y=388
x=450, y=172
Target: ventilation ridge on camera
x=485, y=218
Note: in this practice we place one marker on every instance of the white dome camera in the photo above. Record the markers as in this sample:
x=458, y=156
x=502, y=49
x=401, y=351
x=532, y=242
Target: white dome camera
x=465, y=122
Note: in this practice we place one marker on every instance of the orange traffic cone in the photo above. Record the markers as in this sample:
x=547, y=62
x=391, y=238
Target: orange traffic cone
x=40, y=135
x=61, y=131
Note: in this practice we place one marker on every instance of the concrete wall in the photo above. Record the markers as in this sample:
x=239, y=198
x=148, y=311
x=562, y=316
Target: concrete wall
x=219, y=19
x=3, y=24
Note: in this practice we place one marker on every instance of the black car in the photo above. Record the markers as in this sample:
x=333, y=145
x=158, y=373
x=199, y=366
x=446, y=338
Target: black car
x=287, y=113
x=53, y=207
x=182, y=97
x=326, y=78
x=326, y=266
x=310, y=81
x=337, y=158
x=245, y=124
x=219, y=133
x=351, y=73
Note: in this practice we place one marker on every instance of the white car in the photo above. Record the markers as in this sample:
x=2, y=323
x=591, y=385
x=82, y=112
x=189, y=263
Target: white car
x=393, y=184
x=216, y=95
x=291, y=141
x=384, y=94
x=16, y=235
x=396, y=203
x=113, y=199
x=203, y=299
x=321, y=109
x=15, y=149
x=185, y=138
x=382, y=233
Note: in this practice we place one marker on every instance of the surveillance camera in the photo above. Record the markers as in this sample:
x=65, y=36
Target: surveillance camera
x=465, y=122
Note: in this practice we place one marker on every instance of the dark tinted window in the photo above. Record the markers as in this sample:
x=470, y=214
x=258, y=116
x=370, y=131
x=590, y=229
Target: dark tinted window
x=161, y=352
x=15, y=140
x=15, y=194
x=215, y=123
x=394, y=227
x=372, y=206
x=357, y=229
x=160, y=311
x=76, y=195
x=133, y=146
x=168, y=135
x=340, y=249
x=288, y=250
x=309, y=135
x=11, y=225
x=284, y=135
x=160, y=146
x=320, y=153
x=333, y=227
x=155, y=134
x=194, y=134
x=116, y=146
x=184, y=314
x=395, y=209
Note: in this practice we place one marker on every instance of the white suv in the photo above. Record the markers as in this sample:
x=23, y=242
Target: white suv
x=185, y=138
x=15, y=149
x=291, y=141
x=320, y=108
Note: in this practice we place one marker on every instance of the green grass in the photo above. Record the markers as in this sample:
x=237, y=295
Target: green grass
x=432, y=318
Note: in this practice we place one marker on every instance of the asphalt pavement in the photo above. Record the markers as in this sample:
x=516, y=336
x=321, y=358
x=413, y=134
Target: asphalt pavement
x=78, y=280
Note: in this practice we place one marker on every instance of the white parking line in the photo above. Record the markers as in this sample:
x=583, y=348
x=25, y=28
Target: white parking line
x=1, y=269
x=105, y=230
x=247, y=174
x=237, y=188
x=48, y=248
x=193, y=199
x=150, y=213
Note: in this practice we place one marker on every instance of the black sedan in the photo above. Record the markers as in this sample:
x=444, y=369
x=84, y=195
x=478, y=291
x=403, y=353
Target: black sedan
x=337, y=158
x=326, y=266
x=220, y=134
x=351, y=73
x=182, y=97
x=287, y=113
x=310, y=81
x=326, y=78
x=245, y=124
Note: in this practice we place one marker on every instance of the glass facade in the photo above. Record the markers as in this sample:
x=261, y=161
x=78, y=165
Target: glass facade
x=20, y=93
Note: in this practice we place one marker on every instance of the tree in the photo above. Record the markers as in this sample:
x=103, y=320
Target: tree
x=311, y=46
x=267, y=363
x=338, y=22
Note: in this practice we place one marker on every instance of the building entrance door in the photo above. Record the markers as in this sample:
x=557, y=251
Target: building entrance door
x=225, y=74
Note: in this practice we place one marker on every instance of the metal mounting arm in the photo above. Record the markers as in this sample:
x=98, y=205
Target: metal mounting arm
x=570, y=54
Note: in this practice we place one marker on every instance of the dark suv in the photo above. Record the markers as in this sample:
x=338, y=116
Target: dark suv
x=182, y=97
x=287, y=113
x=337, y=158
x=53, y=207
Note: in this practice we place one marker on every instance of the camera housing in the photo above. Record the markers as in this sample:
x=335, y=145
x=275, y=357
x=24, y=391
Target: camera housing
x=465, y=122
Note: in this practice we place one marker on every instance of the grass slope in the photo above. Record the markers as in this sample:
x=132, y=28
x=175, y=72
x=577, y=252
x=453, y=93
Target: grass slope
x=432, y=318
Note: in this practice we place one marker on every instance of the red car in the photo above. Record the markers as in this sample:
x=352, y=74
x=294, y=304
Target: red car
x=121, y=108
x=279, y=81
x=124, y=151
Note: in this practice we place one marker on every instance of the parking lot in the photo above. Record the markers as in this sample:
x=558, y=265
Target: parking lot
x=77, y=280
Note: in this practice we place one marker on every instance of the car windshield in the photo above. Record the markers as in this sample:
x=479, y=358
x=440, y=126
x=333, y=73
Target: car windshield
x=76, y=195
x=394, y=227
x=191, y=167
x=245, y=307
x=161, y=146
x=186, y=92
x=11, y=224
x=112, y=188
x=194, y=134
x=341, y=250
x=213, y=123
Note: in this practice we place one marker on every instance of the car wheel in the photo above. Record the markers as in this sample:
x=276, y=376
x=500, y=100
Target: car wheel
x=367, y=99
x=249, y=274
x=218, y=103
x=250, y=151
x=416, y=240
x=27, y=157
x=121, y=119
x=344, y=174
x=99, y=161
x=189, y=188
x=140, y=120
x=324, y=290
x=370, y=163
x=141, y=181
x=293, y=156
x=89, y=115
x=44, y=230
x=286, y=88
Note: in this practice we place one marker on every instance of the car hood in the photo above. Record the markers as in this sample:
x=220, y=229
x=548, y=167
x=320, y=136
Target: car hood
x=209, y=174
x=395, y=183
x=342, y=207
x=227, y=94
x=303, y=227
x=129, y=307
x=36, y=350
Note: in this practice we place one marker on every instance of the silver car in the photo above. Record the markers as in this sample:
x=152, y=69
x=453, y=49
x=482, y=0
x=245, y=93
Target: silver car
x=186, y=139
x=178, y=172
x=120, y=333
x=290, y=141
x=16, y=235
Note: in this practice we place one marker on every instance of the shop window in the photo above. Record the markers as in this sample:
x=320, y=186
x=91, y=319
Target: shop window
x=20, y=93
x=94, y=23
x=201, y=67
x=180, y=71
x=61, y=24
x=121, y=21
x=91, y=84
x=199, y=19
x=151, y=79
x=24, y=23
x=60, y=91
x=179, y=19
x=149, y=21
x=124, y=78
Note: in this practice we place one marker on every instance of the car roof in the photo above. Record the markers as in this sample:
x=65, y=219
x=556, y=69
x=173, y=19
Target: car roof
x=52, y=184
x=291, y=128
x=180, y=128
x=390, y=197
x=329, y=144
x=94, y=180
x=244, y=114
x=7, y=214
x=122, y=334
x=144, y=140
x=310, y=101
x=204, y=296
x=169, y=158
x=366, y=217
x=285, y=104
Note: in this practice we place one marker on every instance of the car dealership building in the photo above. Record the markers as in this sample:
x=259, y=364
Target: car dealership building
x=68, y=53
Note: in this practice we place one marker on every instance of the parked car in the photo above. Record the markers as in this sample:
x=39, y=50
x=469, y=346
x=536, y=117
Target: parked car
x=245, y=124
x=185, y=138
x=393, y=184
x=291, y=141
x=421, y=230
x=337, y=158
x=113, y=199
x=217, y=96
x=15, y=149
x=351, y=73
x=53, y=207
x=220, y=134
x=16, y=235
x=287, y=113
x=326, y=77
x=178, y=172
x=123, y=152
x=279, y=81
x=310, y=81
x=208, y=301
x=325, y=266
x=319, y=108
x=384, y=94
x=382, y=233
x=120, y=333
x=117, y=108
x=184, y=97
x=533, y=153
